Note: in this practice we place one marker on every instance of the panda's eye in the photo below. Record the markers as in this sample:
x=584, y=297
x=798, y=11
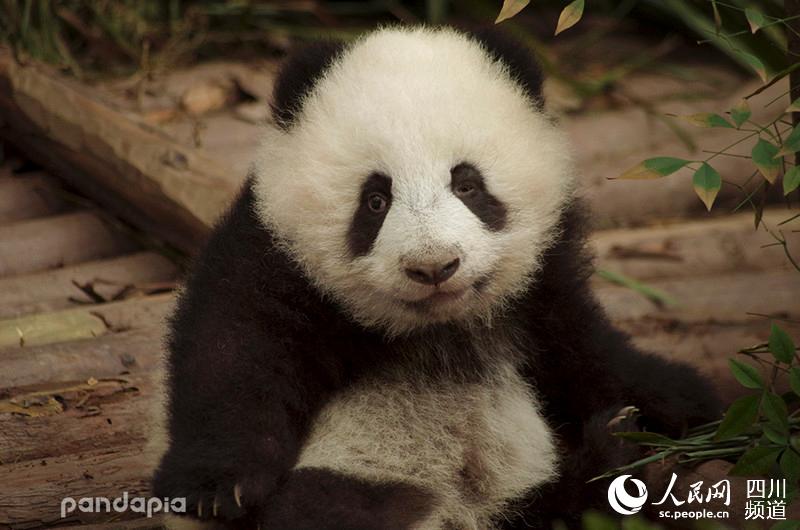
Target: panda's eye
x=465, y=189
x=377, y=202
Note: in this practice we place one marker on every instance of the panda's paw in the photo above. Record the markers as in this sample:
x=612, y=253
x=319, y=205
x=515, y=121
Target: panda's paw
x=215, y=493
x=233, y=499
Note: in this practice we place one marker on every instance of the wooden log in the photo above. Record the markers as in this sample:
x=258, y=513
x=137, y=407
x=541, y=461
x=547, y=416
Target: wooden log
x=133, y=169
x=45, y=328
x=84, y=322
x=727, y=297
x=105, y=356
x=608, y=143
x=28, y=196
x=51, y=242
x=695, y=248
x=106, y=414
x=57, y=289
x=31, y=491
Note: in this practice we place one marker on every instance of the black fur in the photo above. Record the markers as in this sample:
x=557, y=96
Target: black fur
x=366, y=223
x=517, y=57
x=486, y=207
x=255, y=351
x=298, y=76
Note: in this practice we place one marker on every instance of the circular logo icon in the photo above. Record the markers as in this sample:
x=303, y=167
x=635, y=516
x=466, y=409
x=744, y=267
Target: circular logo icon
x=622, y=502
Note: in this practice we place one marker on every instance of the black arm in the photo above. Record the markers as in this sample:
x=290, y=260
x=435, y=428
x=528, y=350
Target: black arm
x=242, y=379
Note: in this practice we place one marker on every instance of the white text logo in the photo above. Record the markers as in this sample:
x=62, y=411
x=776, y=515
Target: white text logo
x=622, y=502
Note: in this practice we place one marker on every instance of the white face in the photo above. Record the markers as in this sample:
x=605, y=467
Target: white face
x=465, y=181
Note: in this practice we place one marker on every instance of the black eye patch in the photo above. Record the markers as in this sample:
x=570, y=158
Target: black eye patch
x=467, y=184
x=373, y=205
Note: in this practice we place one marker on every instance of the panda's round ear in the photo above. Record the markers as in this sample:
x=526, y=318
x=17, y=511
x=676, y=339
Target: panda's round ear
x=516, y=55
x=300, y=72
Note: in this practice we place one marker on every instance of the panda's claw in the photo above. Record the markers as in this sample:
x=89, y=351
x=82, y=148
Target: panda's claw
x=215, y=507
x=622, y=417
x=237, y=494
x=200, y=509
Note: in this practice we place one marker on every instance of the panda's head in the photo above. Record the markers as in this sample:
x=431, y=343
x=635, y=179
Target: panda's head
x=413, y=175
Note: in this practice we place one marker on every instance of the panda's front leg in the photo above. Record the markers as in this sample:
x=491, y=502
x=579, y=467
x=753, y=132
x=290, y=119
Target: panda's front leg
x=322, y=499
x=669, y=395
x=235, y=424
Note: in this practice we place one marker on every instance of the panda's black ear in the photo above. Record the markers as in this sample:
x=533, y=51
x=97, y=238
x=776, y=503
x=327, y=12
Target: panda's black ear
x=298, y=75
x=517, y=56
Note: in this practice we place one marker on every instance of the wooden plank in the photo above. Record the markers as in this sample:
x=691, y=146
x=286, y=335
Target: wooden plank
x=124, y=164
x=53, y=290
x=725, y=297
x=28, y=196
x=695, y=248
x=84, y=322
x=51, y=242
x=105, y=356
x=109, y=413
x=31, y=491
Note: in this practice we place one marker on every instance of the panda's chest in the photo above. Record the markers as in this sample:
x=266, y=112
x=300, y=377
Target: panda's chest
x=475, y=445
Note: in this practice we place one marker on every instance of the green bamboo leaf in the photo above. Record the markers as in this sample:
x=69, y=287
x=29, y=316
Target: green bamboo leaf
x=763, y=155
x=740, y=416
x=781, y=345
x=791, y=143
x=707, y=182
x=756, y=461
x=654, y=168
x=511, y=8
x=707, y=119
x=791, y=180
x=794, y=379
x=570, y=16
x=790, y=465
x=756, y=64
x=774, y=408
x=778, y=435
x=650, y=438
x=717, y=17
x=747, y=375
x=755, y=18
x=740, y=113
x=656, y=296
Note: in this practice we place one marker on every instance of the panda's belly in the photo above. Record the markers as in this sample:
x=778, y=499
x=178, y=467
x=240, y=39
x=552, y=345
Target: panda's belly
x=476, y=446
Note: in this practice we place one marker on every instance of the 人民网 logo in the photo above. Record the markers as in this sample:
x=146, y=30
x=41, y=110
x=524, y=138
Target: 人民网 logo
x=621, y=501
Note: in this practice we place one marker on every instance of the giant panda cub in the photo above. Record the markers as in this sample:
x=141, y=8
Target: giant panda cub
x=392, y=327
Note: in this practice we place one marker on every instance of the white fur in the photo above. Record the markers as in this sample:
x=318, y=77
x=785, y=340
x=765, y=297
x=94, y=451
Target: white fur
x=413, y=103
x=475, y=446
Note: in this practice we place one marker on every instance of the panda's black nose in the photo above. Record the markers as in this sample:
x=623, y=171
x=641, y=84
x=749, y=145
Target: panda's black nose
x=433, y=274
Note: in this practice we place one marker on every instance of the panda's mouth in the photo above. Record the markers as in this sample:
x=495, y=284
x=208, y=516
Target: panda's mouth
x=437, y=298
x=442, y=298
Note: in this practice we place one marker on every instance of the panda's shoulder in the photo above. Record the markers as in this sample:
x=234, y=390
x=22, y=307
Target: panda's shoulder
x=241, y=272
